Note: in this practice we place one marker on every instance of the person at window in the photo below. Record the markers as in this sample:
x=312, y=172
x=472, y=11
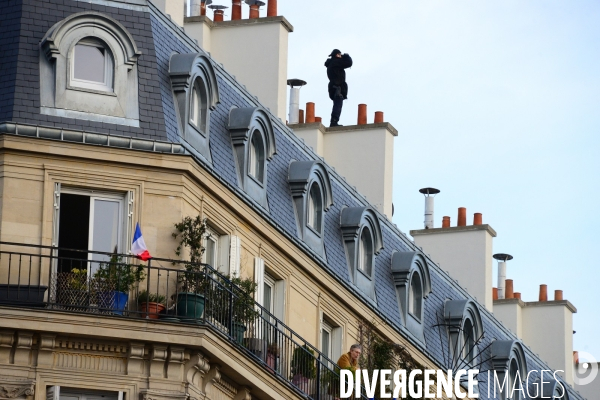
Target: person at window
x=338, y=88
x=349, y=360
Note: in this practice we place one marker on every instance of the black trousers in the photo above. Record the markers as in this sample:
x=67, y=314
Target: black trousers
x=336, y=112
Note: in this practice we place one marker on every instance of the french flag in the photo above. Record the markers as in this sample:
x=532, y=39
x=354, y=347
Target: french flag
x=138, y=247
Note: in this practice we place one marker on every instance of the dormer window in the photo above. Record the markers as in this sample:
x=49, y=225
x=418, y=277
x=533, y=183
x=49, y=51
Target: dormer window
x=465, y=330
x=508, y=357
x=196, y=94
x=93, y=66
x=312, y=197
x=256, y=158
x=363, y=241
x=314, y=212
x=411, y=278
x=253, y=140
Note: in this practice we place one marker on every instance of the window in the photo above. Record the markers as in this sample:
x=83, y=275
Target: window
x=66, y=393
x=196, y=93
x=365, y=253
x=253, y=140
x=88, y=70
x=90, y=220
x=217, y=249
x=326, y=334
x=465, y=331
x=268, y=294
x=362, y=237
x=508, y=357
x=413, y=285
x=256, y=158
x=312, y=196
x=468, y=342
x=92, y=66
x=514, y=381
x=330, y=339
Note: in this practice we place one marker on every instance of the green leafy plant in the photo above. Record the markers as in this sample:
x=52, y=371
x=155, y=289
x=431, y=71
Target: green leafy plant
x=119, y=275
x=191, y=233
x=145, y=297
x=303, y=362
x=77, y=279
x=244, y=306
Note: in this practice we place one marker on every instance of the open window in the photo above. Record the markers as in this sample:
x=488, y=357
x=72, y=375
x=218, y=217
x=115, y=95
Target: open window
x=510, y=365
x=362, y=237
x=88, y=70
x=253, y=140
x=413, y=285
x=312, y=196
x=196, y=94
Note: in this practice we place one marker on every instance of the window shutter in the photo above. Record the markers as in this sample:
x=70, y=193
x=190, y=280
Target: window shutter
x=320, y=328
x=234, y=255
x=259, y=278
x=56, y=221
x=121, y=396
x=53, y=392
x=129, y=228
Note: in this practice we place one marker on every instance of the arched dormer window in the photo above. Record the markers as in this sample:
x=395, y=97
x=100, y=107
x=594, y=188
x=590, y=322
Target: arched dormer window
x=465, y=330
x=413, y=285
x=508, y=358
x=363, y=241
x=547, y=387
x=196, y=94
x=88, y=70
x=312, y=196
x=253, y=140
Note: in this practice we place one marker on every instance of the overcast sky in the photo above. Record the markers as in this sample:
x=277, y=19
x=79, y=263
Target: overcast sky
x=496, y=103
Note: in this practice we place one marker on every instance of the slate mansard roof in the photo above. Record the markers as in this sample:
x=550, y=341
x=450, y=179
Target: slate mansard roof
x=23, y=23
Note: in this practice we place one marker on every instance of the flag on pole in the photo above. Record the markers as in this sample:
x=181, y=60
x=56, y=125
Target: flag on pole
x=138, y=247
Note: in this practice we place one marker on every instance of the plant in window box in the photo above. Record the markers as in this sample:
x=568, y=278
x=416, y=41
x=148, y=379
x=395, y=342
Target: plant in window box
x=194, y=282
x=75, y=291
x=115, y=279
x=151, y=304
x=303, y=368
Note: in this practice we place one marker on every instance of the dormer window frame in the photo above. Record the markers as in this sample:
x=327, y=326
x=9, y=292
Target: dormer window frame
x=244, y=124
x=303, y=178
x=196, y=95
x=109, y=65
x=257, y=162
x=465, y=331
x=408, y=267
x=353, y=222
x=507, y=354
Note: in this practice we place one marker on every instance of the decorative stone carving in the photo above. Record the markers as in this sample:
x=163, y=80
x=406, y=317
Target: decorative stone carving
x=23, y=348
x=158, y=358
x=13, y=388
x=196, y=368
x=211, y=378
x=45, y=350
x=243, y=394
x=135, y=359
x=7, y=339
x=175, y=365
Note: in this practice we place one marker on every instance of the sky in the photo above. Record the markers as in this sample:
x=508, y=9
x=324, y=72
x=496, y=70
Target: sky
x=496, y=104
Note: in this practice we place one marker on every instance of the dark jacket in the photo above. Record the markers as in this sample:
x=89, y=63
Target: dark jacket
x=337, y=75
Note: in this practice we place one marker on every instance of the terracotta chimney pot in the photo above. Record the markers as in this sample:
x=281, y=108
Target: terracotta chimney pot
x=236, y=10
x=446, y=222
x=379, y=117
x=477, y=219
x=543, y=293
x=300, y=116
x=509, y=289
x=202, y=8
x=558, y=295
x=310, y=113
x=254, y=11
x=576, y=357
x=318, y=119
x=462, y=216
x=495, y=293
x=219, y=15
x=518, y=295
x=272, y=8
x=362, y=114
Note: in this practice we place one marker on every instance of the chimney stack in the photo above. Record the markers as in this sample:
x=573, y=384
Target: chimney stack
x=295, y=85
x=502, y=259
x=236, y=10
x=462, y=217
x=362, y=114
x=446, y=222
x=429, y=196
x=272, y=8
x=310, y=113
x=543, y=293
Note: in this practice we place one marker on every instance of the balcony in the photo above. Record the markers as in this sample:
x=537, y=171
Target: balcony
x=163, y=291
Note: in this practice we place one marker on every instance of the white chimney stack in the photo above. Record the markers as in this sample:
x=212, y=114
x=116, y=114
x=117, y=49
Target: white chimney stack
x=429, y=196
x=502, y=259
x=294, y=99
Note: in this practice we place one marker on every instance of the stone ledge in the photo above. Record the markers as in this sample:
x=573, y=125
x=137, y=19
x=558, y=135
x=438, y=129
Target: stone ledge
x=469, y=228
x=240, y=22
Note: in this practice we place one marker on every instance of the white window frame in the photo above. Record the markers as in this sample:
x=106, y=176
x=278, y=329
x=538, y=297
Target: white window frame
x=256, y=166
x=365, y=254
x=314, y=209
x=109, y=66
x=56, y=393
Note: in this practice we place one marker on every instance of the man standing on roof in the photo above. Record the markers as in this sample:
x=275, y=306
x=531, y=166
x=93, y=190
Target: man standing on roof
x=338, y=89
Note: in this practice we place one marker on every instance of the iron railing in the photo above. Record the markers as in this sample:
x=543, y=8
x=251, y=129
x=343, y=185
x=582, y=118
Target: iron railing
x=168, y=291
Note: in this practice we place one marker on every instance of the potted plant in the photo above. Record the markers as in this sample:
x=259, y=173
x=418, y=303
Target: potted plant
x=115, y=279
x=303, y=367
x=151, y=304
x=76, y=293
x=190, y=299
x=244, y=307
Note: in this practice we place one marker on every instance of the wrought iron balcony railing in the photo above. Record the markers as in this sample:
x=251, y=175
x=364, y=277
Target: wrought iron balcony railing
x=169, y=291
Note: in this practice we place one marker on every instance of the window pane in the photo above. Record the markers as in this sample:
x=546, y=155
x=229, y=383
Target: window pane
x=90, y=63
x=105, y=230
x=315, y=208
x=365, y=253
x=256, y=157
x=326, y=343
x=268, y=298
x=415, y=296
x=211, y=253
